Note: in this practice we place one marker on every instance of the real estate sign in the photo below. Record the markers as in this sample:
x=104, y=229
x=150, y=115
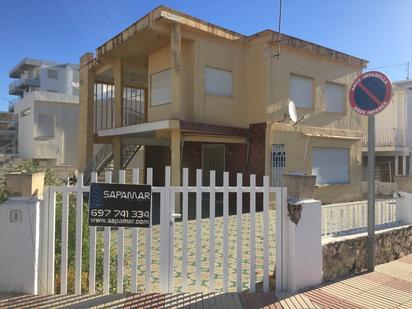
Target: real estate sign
x=120, y=205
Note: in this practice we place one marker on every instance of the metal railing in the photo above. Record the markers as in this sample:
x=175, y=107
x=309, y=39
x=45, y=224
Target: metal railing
x=96, y=162
x=10, y=149
x=347, y=218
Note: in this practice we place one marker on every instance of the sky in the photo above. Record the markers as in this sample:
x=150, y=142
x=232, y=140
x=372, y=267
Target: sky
x=379, y=31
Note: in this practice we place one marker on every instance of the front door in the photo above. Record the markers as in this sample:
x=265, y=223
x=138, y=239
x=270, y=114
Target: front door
x=213, y=159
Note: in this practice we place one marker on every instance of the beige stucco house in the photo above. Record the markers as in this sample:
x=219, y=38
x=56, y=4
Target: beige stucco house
x=197, y=95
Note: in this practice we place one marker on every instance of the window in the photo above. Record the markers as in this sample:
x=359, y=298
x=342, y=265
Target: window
x=160, y=88
x=45, y=126
x=218, y=82
x=334, y=98
x=330, y=165
x=301, y=91
x=52, y=74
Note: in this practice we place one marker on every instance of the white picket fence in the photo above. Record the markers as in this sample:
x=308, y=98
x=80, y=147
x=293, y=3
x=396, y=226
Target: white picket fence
x=345, y=218
x=167, y=221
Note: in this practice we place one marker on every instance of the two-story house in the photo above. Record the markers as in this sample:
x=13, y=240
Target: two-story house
x=196, y=95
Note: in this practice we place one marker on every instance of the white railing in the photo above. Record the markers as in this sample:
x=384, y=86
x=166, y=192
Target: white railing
x=388, y=137
x=346, y=218
x=210, y=238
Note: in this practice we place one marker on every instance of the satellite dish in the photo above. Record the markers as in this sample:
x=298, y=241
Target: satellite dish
x=293, y=115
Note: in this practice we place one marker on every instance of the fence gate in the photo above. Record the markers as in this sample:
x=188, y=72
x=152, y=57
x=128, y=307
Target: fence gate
x=199, y=245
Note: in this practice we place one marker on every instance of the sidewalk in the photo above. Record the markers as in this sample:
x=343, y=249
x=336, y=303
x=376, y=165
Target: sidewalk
x=390, y=286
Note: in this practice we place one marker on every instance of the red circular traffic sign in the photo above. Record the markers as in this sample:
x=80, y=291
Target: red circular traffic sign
x=370, y=93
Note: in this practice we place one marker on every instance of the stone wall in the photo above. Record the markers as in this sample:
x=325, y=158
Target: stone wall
x=348, y=255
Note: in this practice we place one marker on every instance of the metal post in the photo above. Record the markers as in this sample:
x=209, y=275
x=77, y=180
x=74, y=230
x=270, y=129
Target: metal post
x=371, y=193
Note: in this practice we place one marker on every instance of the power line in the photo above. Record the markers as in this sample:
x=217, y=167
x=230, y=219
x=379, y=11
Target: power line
x=405, y=64
x=390, y=66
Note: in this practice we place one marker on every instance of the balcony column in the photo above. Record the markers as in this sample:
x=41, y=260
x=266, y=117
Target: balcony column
x=175, y=61
x=410, y=164
x=118, y=117
x=396, y=165
x=86, y=115
x=404, y=165
x=176, y=169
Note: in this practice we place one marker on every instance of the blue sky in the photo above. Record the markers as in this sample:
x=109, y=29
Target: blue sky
x=62, y=30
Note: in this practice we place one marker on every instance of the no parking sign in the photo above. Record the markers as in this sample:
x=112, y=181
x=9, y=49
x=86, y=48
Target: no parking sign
x=370, y=93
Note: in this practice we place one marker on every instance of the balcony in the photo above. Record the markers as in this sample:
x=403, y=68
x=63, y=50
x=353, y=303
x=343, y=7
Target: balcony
x=133, y=107
x=388, y=138
x=18, y=86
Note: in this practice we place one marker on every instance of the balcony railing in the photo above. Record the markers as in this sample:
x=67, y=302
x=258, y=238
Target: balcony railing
x=17, y=86
x=133, y=106
x=388, y=138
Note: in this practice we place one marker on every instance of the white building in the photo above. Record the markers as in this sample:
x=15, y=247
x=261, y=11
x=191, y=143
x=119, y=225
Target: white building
x=394, y=135
x=47, y=108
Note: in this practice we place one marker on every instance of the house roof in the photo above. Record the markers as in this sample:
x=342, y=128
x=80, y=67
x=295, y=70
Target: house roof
x=406, y=83
x=165, y=13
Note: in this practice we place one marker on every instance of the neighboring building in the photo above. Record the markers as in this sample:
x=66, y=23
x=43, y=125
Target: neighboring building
x=8, y=133
x=393, y=137
x=197, y=95
x=47, y=109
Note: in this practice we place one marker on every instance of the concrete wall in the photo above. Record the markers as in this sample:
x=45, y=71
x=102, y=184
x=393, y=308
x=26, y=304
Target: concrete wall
x=19, y=243
x=25, y=127
x=60, y=149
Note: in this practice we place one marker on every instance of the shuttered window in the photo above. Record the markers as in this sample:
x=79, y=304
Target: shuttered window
x=301, y=91
x=334, y=98
x=330, y=165
x=218, y=82
x=160, y=88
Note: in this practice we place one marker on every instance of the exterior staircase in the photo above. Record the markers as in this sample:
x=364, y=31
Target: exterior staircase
x=103, y=160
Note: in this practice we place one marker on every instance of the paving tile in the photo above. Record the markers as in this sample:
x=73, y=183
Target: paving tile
x=342, y=290
x=392, y=294
x=373, y=301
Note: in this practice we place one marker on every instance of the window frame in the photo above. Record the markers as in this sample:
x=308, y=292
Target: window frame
x=151, y=87
x=312, y=79
x=344, y=86
x=43, y=137
x=215, y=94
x=50, y=71
x=348, y=150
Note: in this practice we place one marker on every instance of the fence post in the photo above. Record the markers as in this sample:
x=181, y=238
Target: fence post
x=301, y=246
x=164, y=233
x=404, y=209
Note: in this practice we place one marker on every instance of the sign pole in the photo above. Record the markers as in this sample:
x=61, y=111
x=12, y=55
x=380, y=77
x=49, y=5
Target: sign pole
x=371, y=192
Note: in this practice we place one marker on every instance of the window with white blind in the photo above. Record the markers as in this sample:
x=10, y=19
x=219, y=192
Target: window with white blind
x=301, y=90
x=218, y=82
x=334, y=97
x=45, y=126
x=160, y=88
x=330, y=165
